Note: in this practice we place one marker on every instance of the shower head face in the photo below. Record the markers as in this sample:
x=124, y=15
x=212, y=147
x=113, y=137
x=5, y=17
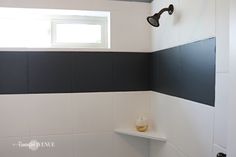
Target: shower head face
x=154, y=20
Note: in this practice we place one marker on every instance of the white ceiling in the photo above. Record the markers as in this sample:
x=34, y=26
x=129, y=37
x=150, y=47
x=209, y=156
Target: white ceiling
x=147, y=1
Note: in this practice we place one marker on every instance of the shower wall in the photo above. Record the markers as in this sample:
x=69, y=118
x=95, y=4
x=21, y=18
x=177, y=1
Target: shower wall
x=192, y=129
x=80, y=124
x=231, y=118
x=179, y=71
x=71, y=72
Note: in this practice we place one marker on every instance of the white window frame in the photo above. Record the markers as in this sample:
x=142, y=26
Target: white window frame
x=93, y=20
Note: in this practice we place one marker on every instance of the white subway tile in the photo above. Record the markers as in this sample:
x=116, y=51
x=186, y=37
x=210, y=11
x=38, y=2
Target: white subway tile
x=187, y=125
x=14, y=115
x=93, y=145
x=63, y=146
x=164, y=150
x=197, y=20
x=218, y=149
x=93, y=112
x=9, y=147
x=221, y=109
x=128, y=106
x=222, y=36
x=51, y=114
x=130, y=146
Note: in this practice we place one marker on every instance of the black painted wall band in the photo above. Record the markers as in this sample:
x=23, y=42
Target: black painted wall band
x=67, y=72
x=186, y=71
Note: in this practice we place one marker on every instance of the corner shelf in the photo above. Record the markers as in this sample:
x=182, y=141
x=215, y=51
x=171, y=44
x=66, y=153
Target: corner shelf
x=148, y=135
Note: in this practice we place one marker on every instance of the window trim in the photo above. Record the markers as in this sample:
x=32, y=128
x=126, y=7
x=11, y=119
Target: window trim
x=102, y=21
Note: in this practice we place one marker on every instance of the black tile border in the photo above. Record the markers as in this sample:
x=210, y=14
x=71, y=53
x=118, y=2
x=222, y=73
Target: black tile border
x=49, y=72
x=72, y=72
x=13, y=73
x=186, y=71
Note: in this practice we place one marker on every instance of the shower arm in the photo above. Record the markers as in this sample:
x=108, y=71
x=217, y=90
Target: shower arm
x=169, y=10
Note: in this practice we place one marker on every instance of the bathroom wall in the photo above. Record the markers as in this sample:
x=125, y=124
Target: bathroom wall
x=191, y=128
x=80, y=124
x=192, y=21
x=222, y=76
x=71, y=72
x=231, y=152
x=178, y=71
x=129, y=29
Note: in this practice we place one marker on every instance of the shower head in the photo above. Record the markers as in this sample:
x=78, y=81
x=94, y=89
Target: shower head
x=154, y=20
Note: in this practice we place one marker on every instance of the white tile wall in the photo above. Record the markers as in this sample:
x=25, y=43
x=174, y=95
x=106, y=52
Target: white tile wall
x=222, y=76
x=126, y=146
x=221, y=109
x=231, y=144
x=159, y=149
x=197, y=21
x=94, y=145
x=192, y=21
x=80, y=124
x=218, y=149
x=187, y=125
x=50, y=114
x=93, y=112
x=64, y=146
x=8, y=150
x=167, y=35
x=222, y=36
x=14, y=116
x=129, y=106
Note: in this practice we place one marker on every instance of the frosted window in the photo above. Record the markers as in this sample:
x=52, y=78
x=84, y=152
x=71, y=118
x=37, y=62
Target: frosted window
x=78, y=33
x=52, y=28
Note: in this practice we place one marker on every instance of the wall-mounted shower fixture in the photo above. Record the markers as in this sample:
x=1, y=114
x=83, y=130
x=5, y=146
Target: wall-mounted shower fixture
x=154, y=20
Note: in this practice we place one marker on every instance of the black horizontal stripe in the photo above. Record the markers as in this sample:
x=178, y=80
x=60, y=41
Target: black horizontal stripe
x=186, y=71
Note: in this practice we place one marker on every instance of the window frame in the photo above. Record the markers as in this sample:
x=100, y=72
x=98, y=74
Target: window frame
x=93, y=20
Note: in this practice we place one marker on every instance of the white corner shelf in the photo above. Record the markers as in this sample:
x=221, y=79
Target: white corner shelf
x=148, y=135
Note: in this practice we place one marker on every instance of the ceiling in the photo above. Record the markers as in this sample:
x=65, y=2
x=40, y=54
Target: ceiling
x=147, y=1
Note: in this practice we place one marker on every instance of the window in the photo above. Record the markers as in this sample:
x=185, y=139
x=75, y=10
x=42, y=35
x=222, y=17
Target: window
x=83, y=32
x=43, y=28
